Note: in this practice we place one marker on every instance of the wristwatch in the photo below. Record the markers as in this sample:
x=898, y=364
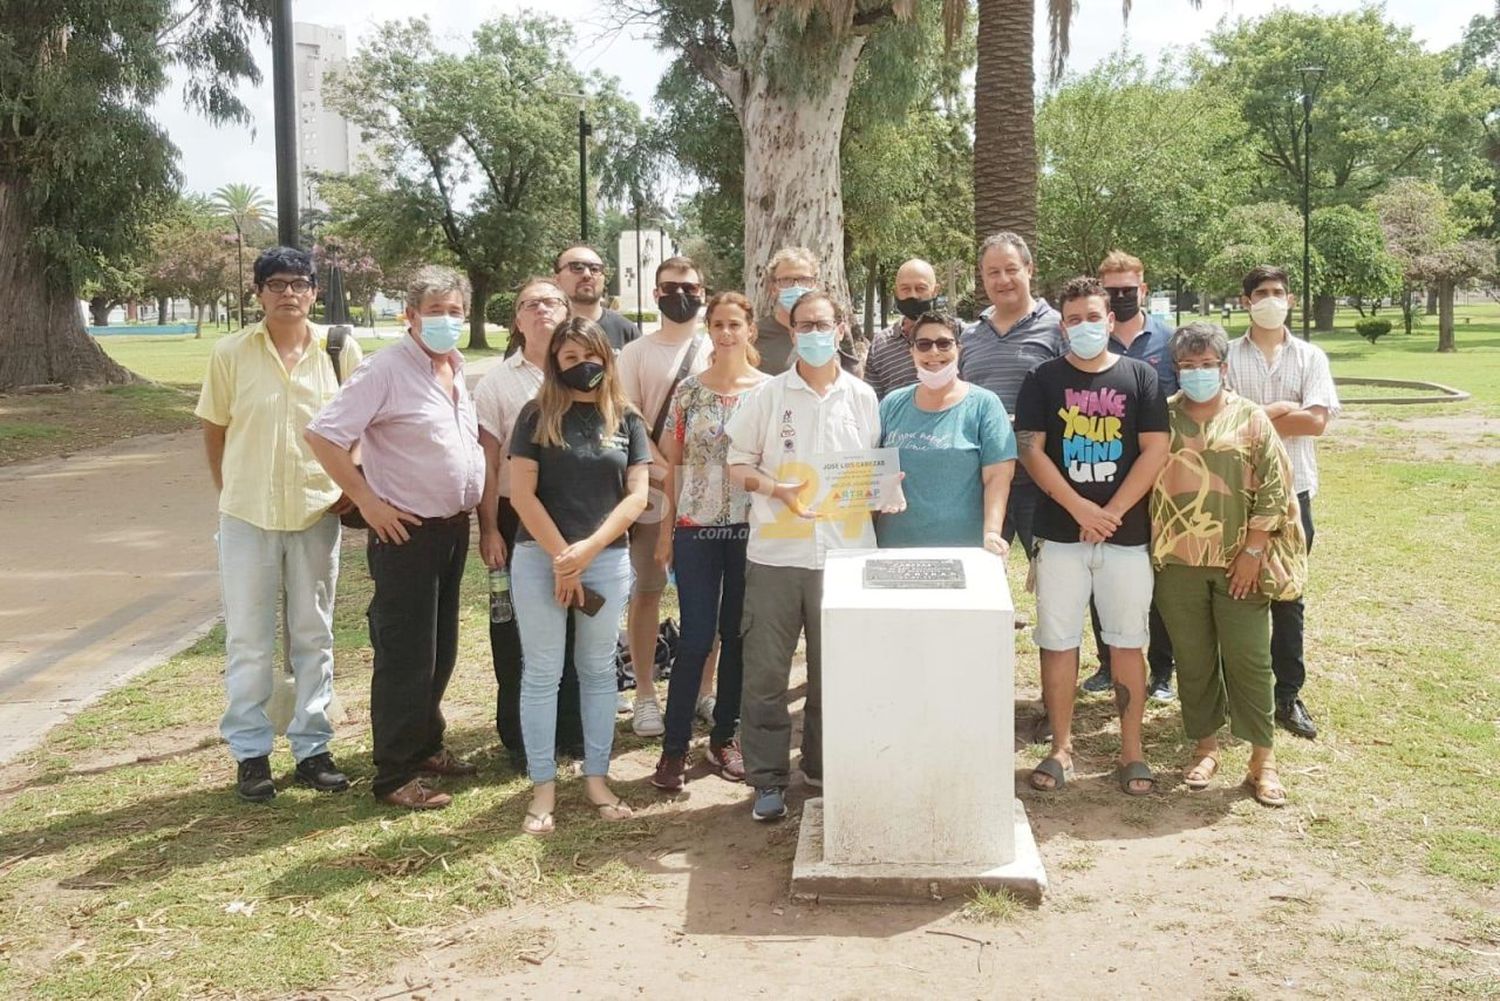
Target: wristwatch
x=1255, y=551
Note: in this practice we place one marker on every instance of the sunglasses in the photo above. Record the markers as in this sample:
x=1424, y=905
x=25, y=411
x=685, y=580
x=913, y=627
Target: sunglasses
x=926, y=344
x=584, y=267
x=686, y=288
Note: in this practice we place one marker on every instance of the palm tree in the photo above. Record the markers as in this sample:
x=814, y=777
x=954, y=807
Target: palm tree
x=1005, y=165
x=250, y=211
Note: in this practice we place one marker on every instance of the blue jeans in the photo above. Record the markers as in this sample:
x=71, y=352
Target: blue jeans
x=264, y=575
x=543, y=624
x=710, y=566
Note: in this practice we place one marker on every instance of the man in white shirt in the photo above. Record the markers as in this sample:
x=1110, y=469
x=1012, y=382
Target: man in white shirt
x=650, y=370
x=812, y=409
x=1291, y=381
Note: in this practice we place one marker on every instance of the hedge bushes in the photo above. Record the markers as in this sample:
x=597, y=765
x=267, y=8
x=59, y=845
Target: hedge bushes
x=501, y=309
x=1372, y=328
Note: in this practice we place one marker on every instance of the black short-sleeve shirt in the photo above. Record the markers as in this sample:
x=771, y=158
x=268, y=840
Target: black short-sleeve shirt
x=581, y=483
x=618, y=329
x=1091, y=420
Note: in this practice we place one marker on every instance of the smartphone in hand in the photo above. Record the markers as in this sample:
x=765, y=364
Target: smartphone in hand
x=592, y=601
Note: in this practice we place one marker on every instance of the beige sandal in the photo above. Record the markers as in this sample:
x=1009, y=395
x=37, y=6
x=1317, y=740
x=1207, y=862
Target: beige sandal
x=1199, y=776
x=613, y=812
x=538, y=824
x=1266, y=786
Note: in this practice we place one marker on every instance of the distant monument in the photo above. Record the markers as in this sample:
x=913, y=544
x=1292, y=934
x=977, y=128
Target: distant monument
x=640, y=253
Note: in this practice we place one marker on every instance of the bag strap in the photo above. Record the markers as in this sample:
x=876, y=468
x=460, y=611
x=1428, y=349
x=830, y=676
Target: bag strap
x=336, y=335
x=682, y=370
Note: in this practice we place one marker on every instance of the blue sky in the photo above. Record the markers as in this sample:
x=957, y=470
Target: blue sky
x=1155, y=27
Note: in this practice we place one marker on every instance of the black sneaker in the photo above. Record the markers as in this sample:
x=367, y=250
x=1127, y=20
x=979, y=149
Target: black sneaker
x=1098, y=683
x=1159, y=690
x=319, y=771
x=255, y=785
x=1294, y=717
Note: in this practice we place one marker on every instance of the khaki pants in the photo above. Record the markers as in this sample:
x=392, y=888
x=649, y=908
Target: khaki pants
x=1223, y=651
x=781, y=603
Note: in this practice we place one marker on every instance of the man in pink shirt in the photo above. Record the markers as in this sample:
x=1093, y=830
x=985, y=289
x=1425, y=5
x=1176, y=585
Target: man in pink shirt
x=409, y=411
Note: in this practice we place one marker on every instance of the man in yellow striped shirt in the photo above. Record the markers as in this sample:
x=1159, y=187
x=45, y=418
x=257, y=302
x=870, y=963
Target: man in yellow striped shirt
x=278, y=531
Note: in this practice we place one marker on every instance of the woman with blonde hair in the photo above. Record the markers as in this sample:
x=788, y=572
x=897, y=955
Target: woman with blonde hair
x=708, y=544
x=579, y=478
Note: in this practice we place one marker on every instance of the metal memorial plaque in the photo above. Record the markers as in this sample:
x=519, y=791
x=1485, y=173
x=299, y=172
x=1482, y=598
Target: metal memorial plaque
x=915, y=573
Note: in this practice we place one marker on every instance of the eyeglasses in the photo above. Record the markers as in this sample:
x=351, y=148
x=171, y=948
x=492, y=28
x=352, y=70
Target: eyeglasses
x=584, y=267
x=280, y=285
x=547, y=302
x=794, y=281
x=926, y=344
x=820, y=326
x=686, y=288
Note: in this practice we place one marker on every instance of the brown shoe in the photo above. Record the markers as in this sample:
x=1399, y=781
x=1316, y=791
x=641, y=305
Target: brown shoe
x=727, y=759
x=671, y=773
x=445, y=763
x=416, y=796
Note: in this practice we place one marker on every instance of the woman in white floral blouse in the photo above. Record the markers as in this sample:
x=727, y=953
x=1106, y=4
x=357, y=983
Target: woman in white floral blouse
x=708, y=545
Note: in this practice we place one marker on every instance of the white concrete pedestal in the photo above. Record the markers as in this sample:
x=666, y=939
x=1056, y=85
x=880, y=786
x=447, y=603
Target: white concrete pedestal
x=918, y=743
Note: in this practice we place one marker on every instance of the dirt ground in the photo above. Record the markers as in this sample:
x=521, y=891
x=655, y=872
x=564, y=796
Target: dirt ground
x=1188, y=894
x=1460, y=437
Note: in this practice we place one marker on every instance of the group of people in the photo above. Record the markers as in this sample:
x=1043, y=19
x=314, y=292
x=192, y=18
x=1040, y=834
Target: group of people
x=1159, y=482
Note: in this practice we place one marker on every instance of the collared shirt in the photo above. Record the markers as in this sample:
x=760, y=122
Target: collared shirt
x=780, y=429
x=419, y=445
x=271, y=477
x=999, y=361
x=498, y=400
x=1151, y=347
x=888, y=366
x=1297, y=373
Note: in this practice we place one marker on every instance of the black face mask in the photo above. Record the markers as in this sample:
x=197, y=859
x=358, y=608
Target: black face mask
x=1125, y=303
x=584, y=376
x=913, y=308
x=679, y=307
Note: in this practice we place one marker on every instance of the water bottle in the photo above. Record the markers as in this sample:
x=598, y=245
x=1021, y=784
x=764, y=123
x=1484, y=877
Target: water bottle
x=501, y=610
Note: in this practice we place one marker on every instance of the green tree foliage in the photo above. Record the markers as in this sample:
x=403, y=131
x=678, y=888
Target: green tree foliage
x=1137, y=161
x=1356, y=264
x=112, y=283
x=83, y=166
x=478, y=148
x=1383, y=108
x=1431, y=244
x=1251, y=235
x=192, y=256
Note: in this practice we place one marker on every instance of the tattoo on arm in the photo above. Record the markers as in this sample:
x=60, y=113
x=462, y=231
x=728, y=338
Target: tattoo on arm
x=1029, y=440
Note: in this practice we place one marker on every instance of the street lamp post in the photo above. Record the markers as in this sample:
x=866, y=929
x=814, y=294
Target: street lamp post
x=284, y=93
x=239, y=243
x=1309, y=80
x=584, y=131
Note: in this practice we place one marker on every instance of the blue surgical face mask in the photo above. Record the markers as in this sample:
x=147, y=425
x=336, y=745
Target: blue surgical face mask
x=1088, y=338
x=1200, y=384
x=816, y=347
x=787, y=297
x=441, y=333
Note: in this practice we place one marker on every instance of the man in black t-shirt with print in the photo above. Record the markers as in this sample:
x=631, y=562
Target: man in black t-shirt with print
x=579, y=271
x=1092, y=431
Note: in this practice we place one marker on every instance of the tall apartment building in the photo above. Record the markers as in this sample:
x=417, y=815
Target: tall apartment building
x=326, y=142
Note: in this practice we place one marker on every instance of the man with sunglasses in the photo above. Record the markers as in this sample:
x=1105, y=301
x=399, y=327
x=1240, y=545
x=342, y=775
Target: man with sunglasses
x=278, y=533
x=650, y=370
x=1139, y=335
x=579, y=271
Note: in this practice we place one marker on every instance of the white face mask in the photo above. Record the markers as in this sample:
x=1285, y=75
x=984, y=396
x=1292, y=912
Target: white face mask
x=942, y=377
x=1270, y=312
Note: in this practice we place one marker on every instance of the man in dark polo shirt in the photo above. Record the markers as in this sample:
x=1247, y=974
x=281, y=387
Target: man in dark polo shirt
x=1010, y=338
x=579, y=271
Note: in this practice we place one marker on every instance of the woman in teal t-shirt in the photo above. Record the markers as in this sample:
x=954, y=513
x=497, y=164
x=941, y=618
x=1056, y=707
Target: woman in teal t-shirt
x=958, y=452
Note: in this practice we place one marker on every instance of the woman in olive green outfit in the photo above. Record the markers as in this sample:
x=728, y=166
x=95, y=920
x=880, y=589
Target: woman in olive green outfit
x=1226, y=539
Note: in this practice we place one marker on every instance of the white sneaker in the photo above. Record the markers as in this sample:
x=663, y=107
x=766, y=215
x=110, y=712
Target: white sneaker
x=624, y=702
x=705, y=708
x=647, y=721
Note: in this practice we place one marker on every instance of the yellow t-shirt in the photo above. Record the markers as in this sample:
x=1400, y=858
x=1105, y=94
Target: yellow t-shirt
x=271, y=478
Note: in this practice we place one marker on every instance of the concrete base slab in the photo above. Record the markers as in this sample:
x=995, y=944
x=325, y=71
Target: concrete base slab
x=823, y=882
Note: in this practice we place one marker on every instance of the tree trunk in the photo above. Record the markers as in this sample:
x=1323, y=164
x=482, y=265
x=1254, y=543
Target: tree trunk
x=1445, y=317
x=1408, y=308
x=792, y=128
x=1005, y=165
x=42, y=339
x=885, y=298
x=198, y=310
x=870, y=281
x=479, y=282
x=1323, y=308
x=163, y=303
x=1433, y=294
x=99, y=308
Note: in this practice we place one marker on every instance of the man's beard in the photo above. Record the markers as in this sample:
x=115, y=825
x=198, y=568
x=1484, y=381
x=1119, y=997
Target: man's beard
x=585, y=297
